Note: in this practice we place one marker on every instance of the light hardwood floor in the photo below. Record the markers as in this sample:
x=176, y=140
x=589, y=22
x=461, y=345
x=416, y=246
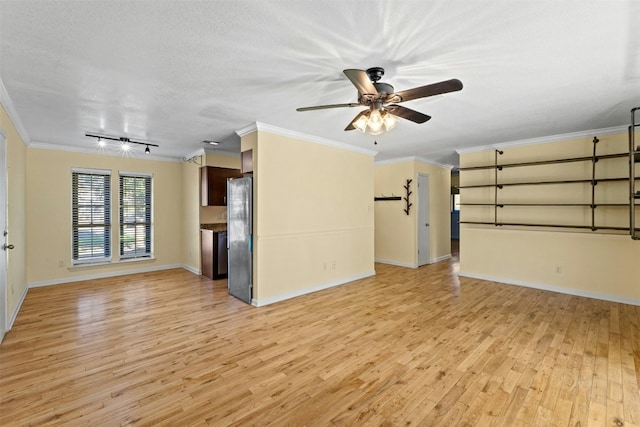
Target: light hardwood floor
x=406, y=347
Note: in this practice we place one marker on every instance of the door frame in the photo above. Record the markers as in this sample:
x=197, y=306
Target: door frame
x=421, y=192
x=4, y=261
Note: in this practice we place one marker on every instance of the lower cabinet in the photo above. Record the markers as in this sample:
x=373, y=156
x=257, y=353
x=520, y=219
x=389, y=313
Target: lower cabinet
x=213, y=254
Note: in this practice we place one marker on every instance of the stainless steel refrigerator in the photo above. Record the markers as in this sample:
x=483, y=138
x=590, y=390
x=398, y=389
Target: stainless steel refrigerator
x=240, y=237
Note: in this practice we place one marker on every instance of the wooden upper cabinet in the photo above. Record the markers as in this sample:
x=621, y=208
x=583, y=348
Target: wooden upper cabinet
x=247, y=161
x=213, y=184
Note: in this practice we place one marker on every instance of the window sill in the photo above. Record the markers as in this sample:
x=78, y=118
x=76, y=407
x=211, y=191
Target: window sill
x=110, y=263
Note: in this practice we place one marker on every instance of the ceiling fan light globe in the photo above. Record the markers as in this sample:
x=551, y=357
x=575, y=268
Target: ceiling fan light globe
x=375, y=124
x=390, y=121
x=361, y=123
x=375, y=119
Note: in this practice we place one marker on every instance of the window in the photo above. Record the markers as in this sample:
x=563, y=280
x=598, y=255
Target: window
x=135, y=215
x=91, y=216
x=456, y=202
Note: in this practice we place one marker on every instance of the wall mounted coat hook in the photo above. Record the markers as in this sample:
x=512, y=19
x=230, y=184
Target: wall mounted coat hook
x=409, y=192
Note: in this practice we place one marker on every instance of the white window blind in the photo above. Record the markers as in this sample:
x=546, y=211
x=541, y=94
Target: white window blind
x=91, y=216
x=135, y=216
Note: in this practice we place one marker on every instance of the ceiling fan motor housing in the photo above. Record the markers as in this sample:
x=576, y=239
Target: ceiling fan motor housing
x=384, y=90
x=375, y=73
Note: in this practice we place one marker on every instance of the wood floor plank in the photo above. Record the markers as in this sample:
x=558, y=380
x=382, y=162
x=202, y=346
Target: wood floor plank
x=404, y=347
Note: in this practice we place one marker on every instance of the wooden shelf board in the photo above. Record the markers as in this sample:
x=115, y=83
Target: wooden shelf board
x=514, y=224
x=571, y=181
x=546, y=204
x=548, y=162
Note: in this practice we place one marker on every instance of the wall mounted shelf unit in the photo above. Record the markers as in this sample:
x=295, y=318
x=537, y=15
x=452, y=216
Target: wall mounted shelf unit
x=386, y=198
x=541, y=212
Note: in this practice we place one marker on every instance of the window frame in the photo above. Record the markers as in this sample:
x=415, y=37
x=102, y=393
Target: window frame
x=148, y=225
x=107, y=224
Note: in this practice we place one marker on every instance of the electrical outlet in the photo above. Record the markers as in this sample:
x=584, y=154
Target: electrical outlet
x=558, y=269
x=333, y=265
x=60, y=263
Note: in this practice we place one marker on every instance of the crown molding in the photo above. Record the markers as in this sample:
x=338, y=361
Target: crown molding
x=544, y=139
x=6, y=102
x=262, y=127
x=394, y=161
x=431, y=162
x=101, y=152
x=247, y=130
x=412, y=159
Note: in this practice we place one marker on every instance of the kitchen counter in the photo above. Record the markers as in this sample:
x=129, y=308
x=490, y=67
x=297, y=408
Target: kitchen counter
x=214, y=227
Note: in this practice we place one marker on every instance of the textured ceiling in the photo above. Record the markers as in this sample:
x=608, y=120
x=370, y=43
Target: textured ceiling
x=177, y=72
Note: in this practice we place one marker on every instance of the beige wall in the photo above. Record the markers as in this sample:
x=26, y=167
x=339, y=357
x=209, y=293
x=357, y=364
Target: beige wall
x=601, y=265
x=395, y=237
x=250, y=142
x=396, y=232
x=313, y=215
x=16, y=209
x=49, y=214
x=190, y=226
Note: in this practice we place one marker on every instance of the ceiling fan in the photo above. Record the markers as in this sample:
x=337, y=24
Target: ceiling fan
x=382, y=101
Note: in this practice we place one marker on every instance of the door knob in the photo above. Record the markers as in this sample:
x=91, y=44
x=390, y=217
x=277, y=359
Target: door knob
x=5, y=247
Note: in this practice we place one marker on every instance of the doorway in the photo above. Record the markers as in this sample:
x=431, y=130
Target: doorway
x=423, y=220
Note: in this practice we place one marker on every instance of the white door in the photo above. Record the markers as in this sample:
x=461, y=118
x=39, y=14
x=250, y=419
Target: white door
x=3, y=238
x=423, y=220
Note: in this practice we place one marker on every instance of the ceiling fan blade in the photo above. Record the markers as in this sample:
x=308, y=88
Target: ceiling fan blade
x=361, y=81
x=446, y=86
x=407, y=113
x=323, y=107
x=351, y=126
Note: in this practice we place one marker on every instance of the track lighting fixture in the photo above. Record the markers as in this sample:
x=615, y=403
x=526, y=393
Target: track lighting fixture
x=125, y=143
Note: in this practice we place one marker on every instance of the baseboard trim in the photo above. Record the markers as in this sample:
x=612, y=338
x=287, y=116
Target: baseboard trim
x=191, y=269
x=17, y=309
x=396, y=263
x=271, y=300
x=104, y=275
x=440, y=258
x=408, y=265
x=558, y=289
